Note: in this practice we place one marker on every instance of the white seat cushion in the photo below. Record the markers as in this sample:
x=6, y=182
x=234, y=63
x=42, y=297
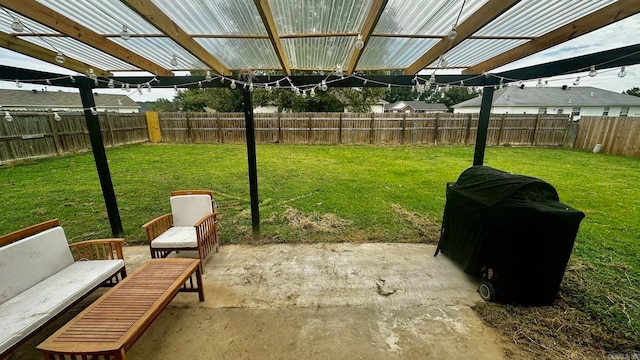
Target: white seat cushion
x=27, y=311
x=176, y=237
x=188, y=209
x=26, y=262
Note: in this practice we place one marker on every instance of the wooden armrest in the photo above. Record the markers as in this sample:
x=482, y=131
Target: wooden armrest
x=99, y=249
x=204, y=218
x=158, y=225
x=28, y=231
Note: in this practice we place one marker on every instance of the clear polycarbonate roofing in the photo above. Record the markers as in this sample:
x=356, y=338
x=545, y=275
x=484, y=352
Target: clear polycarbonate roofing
x=292, y=36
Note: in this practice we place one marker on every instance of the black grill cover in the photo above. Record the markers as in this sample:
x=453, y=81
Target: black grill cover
x=513, y=224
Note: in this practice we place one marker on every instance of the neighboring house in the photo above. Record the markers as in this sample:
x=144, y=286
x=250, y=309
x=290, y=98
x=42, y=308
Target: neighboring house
x=415, y=107
x=378, y=107
x=42, y=100
x=574, y=101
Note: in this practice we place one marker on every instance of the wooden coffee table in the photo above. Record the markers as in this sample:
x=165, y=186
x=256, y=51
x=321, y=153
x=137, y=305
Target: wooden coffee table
x=113, y=323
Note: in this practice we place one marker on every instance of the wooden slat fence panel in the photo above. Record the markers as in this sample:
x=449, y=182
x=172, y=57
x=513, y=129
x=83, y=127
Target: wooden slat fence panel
x=33, y=135
x=616, y=135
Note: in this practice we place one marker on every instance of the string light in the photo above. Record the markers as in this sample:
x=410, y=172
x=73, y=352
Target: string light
x=111, y=84
x=16, y=25
x=622, y=72
x=175, y=88
x=251, y=87
x=139, y=89
x=208, y=76
x=443, y=62
x=576, y=82
x=60, y=57
x=312, y=93
x=92, y=75
x=94, y=111
x=592, y=71
x=453, y=33
x=233, y=84
x=539, y=84
x=18, y=84
x=200, y=85
x=359, y=42
x=174, y=60
x=148, y=87
x=304, y=94
x=56, y=116
x=124, y=34
x=323, y=85
x=73, y=80
x=8, y=116
x=339, y=71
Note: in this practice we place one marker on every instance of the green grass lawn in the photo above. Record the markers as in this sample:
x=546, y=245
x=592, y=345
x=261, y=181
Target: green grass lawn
x=379, y=194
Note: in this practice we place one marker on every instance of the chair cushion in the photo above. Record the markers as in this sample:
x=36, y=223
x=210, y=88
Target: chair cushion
x=188, y=209
x=28, y=261
x=29, y=310
x=176, y=237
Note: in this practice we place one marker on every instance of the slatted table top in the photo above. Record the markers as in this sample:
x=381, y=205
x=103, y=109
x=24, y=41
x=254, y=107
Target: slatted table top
x=118, y=318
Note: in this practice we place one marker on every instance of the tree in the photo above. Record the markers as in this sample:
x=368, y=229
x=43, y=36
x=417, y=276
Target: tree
x=165, y=105
x=635, y=91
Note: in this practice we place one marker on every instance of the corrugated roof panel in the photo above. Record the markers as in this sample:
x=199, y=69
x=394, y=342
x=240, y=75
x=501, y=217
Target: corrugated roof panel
x=160, y=50
x=393, y=53
x=319, y=53
x=254, y=54
x=473, y=51
x=102, y=16
x=319, y=16
x=82, y=52
x=420, y=17
x=214, y=17
x=535, y=17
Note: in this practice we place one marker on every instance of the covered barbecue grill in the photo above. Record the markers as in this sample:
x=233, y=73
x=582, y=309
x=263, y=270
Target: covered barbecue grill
x=510, y=230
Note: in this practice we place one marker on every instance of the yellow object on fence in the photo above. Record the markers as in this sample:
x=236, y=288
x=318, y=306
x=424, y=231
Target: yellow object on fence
x=153, y=124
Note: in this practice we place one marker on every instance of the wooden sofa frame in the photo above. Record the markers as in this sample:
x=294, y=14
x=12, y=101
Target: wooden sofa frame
x=100, y=249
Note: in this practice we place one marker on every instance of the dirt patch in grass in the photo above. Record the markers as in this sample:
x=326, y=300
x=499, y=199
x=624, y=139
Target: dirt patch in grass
x=314, y=222
x=428, y=226
x=558, y=332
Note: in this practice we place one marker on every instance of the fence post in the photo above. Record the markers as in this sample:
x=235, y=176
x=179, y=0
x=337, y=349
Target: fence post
x=403, y=123
x=56, y=137
x=340, y=129
x=310, y=131
x=153, y=126
x=501, y=131
x=371, y=132
x=535, y=130
x=189, y=132
x=219, y=127
x=279, y=128
x=435, y=130
x=468, y=130
x=109, y=128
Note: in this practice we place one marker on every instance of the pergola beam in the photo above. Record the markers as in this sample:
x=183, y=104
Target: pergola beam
x=377, y=7
x=41, y=53
x=152, y=14
x=487, y=13
x=609, y=14
x=270, y=25
x=48, y=17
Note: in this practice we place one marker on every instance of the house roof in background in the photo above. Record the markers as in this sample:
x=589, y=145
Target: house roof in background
x=514, y=96
x=60, y=99
x=416, y=105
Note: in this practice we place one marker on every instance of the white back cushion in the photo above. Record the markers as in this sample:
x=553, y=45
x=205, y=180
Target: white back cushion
x=188, y=209
x=26, y=262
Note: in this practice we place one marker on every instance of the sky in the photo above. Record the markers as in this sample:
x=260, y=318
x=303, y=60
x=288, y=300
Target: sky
x=623, y=33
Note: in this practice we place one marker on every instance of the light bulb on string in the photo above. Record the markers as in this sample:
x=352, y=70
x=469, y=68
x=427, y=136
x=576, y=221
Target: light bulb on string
x=175, y=88
x=92, y=75
x=278, y=83
x=359, y=44
x=111, y=84
x=56, y=116
x=124, y=34
x=8, y=116
x=18, y=84
x=48, y=82
x=148, y=87
x=304, y=94
x=453, y=33
x=576, y=82
x=251, y=87
x=622, y=72
x=139, y=89
x=60, y=57
x=339, y=71
x=389, y=87
x=73, y=80
x=469, y=90
x=127, y=87
x=312, y=93
x=546, y=83
x=432, y=79
x=200, y=85
x=221, y=79
x=501, y=83
x=16, y=25
x=323, y=85
x=94, y=111
x=233, y=84
x=443, y=62
x=592, y=71
x=539, y=84
x=208, y=76
x=174, y=60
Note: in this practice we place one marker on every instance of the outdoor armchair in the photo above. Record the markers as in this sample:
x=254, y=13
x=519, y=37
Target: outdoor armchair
x=192, y=225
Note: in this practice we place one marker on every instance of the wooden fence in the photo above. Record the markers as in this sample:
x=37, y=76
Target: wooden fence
x=616, y=135
x=365, y=128
x=33, y=135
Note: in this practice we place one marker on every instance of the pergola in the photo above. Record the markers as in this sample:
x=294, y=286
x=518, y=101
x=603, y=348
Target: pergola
x=304, y=45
